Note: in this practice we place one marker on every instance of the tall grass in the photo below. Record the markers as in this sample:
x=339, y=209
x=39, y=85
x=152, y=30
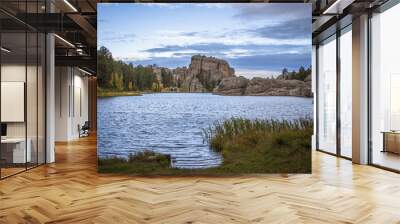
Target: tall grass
x=246, y=146
x=221, y=131
x=262, y=146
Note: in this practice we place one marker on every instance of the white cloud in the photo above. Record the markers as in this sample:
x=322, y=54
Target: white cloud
x=217, y=34
x=214, y=5
x=168, y=37
x=252, y=73
x=237, y=52
x=135, y=56
x=178, y=38
x=162, y=5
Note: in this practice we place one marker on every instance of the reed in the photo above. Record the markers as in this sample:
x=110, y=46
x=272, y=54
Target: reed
x=220, y=132
x=247, y=146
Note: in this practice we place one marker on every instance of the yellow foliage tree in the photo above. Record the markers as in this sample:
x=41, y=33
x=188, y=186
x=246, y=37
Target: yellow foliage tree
x=117, y=81
x=156, y=87
x=130, y=86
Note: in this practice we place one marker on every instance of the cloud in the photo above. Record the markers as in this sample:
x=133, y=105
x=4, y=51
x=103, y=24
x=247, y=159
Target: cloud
x=185, y=54
x=251, y=73
x=254, y=38
x=102, y=21
x=169, y=62
x=230, y=51
x=291, y=29
x=117, y=37
x=161, y=5
x=274, y=62
x=180, y=5
x=191, y=33
x=257, y=35
x=168, y=48
x=275, y=11
x=215, y=5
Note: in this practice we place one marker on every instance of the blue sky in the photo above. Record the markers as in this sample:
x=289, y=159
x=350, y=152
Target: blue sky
x=258, y=39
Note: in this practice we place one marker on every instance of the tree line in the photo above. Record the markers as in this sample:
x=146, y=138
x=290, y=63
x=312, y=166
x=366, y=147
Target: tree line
x=117, y=75
x=300, y=74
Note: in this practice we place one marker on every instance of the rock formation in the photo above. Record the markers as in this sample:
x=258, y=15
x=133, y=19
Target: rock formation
x=275, y=87
x=209, y=70
x=234, y=86
x=209, y=74
x=263, y=87
x=204, y=74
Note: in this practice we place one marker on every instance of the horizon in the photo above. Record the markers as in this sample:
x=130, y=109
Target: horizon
x=257, y=41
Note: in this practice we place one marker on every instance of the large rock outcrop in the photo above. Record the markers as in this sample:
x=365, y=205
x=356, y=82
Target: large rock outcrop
x=263, y=87
x=210, y=74
x=203, y=75
x=234, y=86
x=276, y=87
x=209, y=71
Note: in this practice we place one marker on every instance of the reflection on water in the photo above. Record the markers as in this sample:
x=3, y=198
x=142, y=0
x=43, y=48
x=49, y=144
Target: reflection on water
x=172, y=123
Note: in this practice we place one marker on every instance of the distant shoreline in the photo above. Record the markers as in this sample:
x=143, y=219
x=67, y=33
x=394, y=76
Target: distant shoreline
x=117, y=93
x=134, y=93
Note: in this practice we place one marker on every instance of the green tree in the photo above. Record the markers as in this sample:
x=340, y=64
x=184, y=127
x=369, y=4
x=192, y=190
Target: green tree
x=166, y=78
x=118, y=75
x=104, y=67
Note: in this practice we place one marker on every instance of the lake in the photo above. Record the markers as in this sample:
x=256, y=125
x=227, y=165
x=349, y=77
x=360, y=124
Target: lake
x=173, y=123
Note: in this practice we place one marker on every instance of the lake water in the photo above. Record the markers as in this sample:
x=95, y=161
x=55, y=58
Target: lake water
x=172, y=123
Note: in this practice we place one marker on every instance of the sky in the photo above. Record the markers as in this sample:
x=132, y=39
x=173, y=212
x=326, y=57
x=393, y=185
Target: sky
x=257, y=40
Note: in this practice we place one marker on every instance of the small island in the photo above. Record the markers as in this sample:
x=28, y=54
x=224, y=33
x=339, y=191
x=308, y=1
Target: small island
x=203, y=75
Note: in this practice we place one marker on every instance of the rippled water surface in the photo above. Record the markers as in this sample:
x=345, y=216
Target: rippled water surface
x=172, y=123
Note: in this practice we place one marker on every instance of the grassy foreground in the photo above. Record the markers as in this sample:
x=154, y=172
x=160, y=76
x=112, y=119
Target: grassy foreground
x=247, y=146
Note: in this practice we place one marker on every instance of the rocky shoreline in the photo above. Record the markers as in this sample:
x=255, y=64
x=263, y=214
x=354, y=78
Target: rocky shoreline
x=240, y=86
x=210, y=74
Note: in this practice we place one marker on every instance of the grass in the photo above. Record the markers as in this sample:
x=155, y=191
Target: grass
x=247, y=146
x=109, y=93
x=263, y=146
x=141, y=162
